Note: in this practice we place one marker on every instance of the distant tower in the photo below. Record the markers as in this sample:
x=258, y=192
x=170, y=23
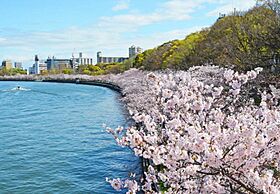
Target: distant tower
x=99, y=56
x=73, y=53
x=36, y=65
x=36, y=58
x=80, y=60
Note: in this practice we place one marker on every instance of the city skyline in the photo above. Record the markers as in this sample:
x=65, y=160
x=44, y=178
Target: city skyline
x=59, y=28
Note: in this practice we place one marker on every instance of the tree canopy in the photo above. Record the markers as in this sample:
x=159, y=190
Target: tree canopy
x=241, y=40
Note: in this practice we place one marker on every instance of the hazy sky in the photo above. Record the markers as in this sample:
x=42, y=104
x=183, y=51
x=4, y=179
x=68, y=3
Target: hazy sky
x=61, y=27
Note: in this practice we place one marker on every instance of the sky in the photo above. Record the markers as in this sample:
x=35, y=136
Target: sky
x=62, y=27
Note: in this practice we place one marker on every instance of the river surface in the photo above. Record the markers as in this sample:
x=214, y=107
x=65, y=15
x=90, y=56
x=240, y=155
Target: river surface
x=52, y=139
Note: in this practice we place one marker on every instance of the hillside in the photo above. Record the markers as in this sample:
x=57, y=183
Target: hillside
x=241, y=40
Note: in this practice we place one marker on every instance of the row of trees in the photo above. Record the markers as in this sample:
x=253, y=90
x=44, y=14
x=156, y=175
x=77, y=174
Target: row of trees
x=13, y=71
x=88, y=69
x=101, y=68
x=206, y=136
x=241, y=40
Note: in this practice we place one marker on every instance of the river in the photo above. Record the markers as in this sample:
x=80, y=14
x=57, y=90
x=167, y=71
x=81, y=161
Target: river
x=52, y=139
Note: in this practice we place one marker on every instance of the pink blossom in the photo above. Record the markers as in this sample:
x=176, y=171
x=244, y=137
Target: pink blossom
x=116, y=183
x=201, y=132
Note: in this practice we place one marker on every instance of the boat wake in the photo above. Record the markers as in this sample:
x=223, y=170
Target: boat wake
x=18, y=88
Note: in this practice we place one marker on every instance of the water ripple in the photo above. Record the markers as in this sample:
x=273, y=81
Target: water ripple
x=52, y=140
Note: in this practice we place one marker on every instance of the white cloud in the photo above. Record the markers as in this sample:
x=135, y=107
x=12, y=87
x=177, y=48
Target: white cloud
x=179, y=9
x=121, y=5
x=2, y=39
x=58, y=43
x=227, y=7
x=171, y=10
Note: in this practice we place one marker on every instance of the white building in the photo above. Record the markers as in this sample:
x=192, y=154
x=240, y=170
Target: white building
x=80, y=60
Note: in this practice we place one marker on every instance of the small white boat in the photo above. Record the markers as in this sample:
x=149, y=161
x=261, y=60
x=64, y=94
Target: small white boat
x=19, y=88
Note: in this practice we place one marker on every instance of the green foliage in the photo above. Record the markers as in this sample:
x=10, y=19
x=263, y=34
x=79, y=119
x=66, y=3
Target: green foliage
x=183, y=54
x=162, y=188
x=90, y=70
x=138, y=61
x=101, y=65
x=129, y=63
x=13, y=71
x=68, y=71
x=86, y=71
x=93, y=68
x=115, y=68
x=100, y=72
x=54, y=71
x=176, y=54
x=102, y=68
x=242, y=40
x=44, y=72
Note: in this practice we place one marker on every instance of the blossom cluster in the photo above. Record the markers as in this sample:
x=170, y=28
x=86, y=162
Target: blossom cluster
x=202, y=133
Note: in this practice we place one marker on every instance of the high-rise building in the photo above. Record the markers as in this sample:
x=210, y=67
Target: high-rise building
x=36, y=65
x=133, y=51
x=99, y=56
x=7, y=64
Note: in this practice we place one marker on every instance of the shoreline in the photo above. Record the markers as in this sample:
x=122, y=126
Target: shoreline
x=101, y=83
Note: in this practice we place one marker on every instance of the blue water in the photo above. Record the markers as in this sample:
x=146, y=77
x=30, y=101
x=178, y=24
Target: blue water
x=52, y=140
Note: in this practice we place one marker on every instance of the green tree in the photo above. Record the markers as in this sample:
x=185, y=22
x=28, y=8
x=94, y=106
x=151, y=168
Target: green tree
x=183, y=54
x=114, y=68
x=86, y=71
x=93, y=68
x=68, y=71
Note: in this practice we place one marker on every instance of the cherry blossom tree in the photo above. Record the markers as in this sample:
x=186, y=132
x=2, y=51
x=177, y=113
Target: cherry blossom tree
x=202, y=133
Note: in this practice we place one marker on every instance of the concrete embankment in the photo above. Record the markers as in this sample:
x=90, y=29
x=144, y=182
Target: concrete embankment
x=109, y=85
